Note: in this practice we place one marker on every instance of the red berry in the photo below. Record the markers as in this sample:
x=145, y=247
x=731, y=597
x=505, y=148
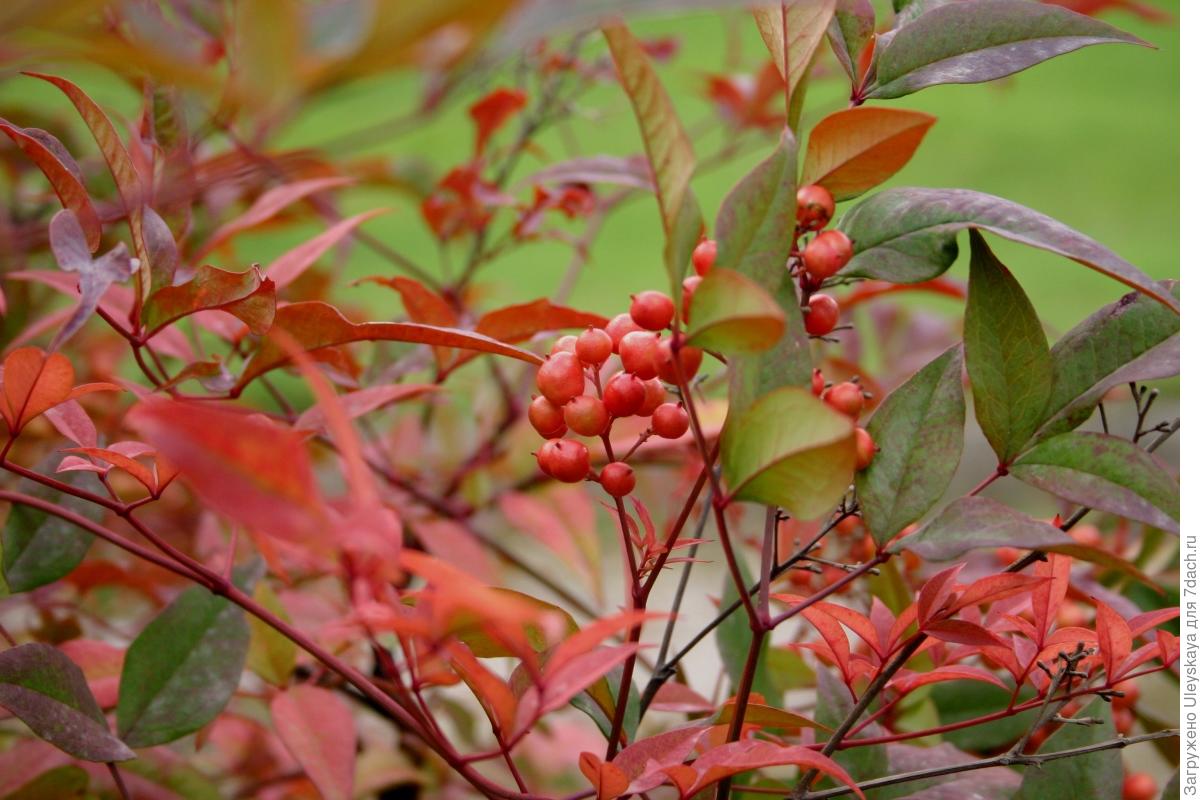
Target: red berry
x=1123, y=720
x=637, y=353
x=568, y=460
x=669, y=421
x=656, y=395
x=1070, y=615
x=624, y=395
x=689, y=362
x=617, y=479
x=560, y=378
x=652, y=310
x=703, y=256
x=827, y=253
x=546, y=418
x=586, y=415
x=690, y=284
x=565, y=344
x=1139, y=786
x=543, y=456
x=1087, y=535
x=1006, y=555
x=814, y=207
x=822, y=316
x=593, y=346
x=847, y=398
x=818, y=382
x=864, y=449
x=1132, y=693
x=618, y=326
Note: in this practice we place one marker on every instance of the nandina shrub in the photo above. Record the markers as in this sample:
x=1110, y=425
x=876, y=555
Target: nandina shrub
x=259, y=545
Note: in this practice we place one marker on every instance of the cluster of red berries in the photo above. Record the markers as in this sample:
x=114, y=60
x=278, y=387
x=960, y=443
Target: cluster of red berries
x=648, y=362
x=848, y=398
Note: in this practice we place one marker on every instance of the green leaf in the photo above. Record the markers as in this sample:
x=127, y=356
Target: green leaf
x=834, y=704
x=48, y=692
x=791, y=450
x=919, y=432
x=672, y=159
x=851, y=32
x=792, y=31
x=731, y=313
x=39, y=548
x=1007, y=356
x=733, y=643
x=973, y=522
x=983, y=41
x=768, y=716
x=1171, y=790
x=907, y=235
x=1133, y=339
x=957, y=701
x=182, y=668
x=271, y=656
x=1095, y=776
x=62, y=783
x=1106, y=473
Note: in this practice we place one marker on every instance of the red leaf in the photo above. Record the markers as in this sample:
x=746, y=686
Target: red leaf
x=963, y=632
x=869, y=290
x=1049, y=596
x=292, y=264
x=532, y=517
x=733, y=758
x=993, y=588
x=936, y=592
x=674, y=696
x=667, y=748
x=588, y=638
x=1151, y=619
x=69, y=419
x=573, y=676
x=493, y=111
x=425, y=306
x=33, y=383
x=833, y=634
x=494, y=694
x=952, y=672
x=855, y=622
x=67, y=183
x=252, y=471
x=856, y=149
x=318, y=729
x=607, y=778
x=1115, y=639
x=1168, y=647
x=246, y=295
x=267, y=205
x=364, y=401
x=315, y=325
x=123, y=462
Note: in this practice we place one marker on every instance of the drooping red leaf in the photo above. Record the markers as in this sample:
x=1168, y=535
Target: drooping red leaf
x=869, y=290
x=586, y=639
x=730, y=759
x=951, y=672
x=993, y=588
x=252, y=471
x=671, y=747
x=577, y=674
x=962, y=632
x=749, y=101
x=318, y=729
x=128, y=464
x=289, y=266
x=315, y=325
x=1168, y=647
x=492, y=111
x=674, y=696
x=246, y=295
x=425, y=306
x=65, y=181
x=520, y=322
x=493, y=693
x=33, y=382
x=605, y=777
x=1115, y=639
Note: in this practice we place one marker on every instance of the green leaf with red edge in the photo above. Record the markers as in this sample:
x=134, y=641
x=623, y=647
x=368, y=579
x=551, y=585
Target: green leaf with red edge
x=253, y=471
x=850, y=35
x=183, y=668
x=315, y=325
x=919, y=430
x=64, y=176
x=246, y=295
x=969, y=523
x=1106, y=473
x=792, y=31
x=266, y=206
x=791, y=450
x=1093, y=776
x=120, y=164
x=49, y=693
x=292, y=264
x=32, y=382
x=986, y=40
x=733, y=758
x=856, y=149
x=1008, y=358
x=732, y=313
x=907, y=235
x=317, y=727
x=672, y=159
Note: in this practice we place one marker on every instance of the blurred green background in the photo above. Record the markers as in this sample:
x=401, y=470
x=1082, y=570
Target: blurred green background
x=1090, y=138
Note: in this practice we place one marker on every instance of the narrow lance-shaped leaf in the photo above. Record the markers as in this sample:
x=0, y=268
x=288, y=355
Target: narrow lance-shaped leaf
x=318, y=729
x=850, y=35
x=315, y=325
x=183, y=667
x=667, y=146
x=907, y=235
x=1133, y=339
x=1104, y=472
x=792, y=31
x=95, y=275
x=919, y=430
x=983, y=41
x=246, y=295
x=39, y=548
x=162, y=253
x=856, y=149
x=64, y=176
x=294, y=262
x=1008, y=359
x=49, y=693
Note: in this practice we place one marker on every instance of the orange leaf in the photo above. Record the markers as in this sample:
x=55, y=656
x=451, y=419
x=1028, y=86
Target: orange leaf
x=318, y=729
x=123, y=462
x=494, y=694
x=607, y=778
x=856, y=149
x=1114, y=637
x=492, y=111
x=425, y=306
x=33, y=383
x=246, y=295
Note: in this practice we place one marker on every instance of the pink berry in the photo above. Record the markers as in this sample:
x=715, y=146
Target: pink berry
x=593, y=346
x=618, y=326
x=568, y=460
x=689, y=362
x=703, y=256
x=560, y=378
x=586, y=415
x=637, y=353
x=656, y=395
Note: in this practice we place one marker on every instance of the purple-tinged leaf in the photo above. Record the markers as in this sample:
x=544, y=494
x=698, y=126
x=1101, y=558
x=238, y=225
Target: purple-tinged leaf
x=246, y=295
x=982, y=41
x=95, y=275
x=631, y=171
x=49, y=693
x=62, y=172
x=970, y=523
x=792, y=31
x=1008, y=358
x=850, y=33
x=907, y=235
x=1104, y=472
x=39, y=548
x=161, y=250
x=919, y=430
